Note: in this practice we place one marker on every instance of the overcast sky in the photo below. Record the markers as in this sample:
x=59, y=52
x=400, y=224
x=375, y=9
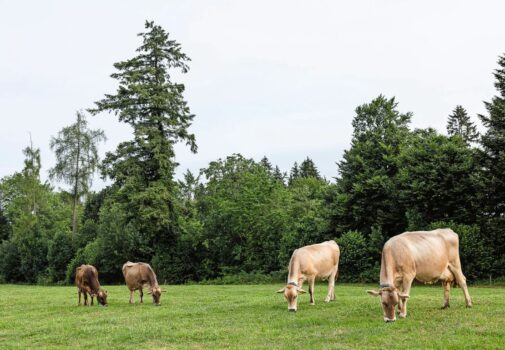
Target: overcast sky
x=275, y=78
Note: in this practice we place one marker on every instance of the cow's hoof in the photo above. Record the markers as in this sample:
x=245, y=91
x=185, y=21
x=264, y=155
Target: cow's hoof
x=469, y=306
x=327, y=300
x=445, y=307
x=312, y=303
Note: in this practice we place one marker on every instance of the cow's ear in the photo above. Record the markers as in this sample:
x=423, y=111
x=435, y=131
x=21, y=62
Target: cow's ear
x=375, y=293
x=403, y=296
x=281, y=290
x=301, y=291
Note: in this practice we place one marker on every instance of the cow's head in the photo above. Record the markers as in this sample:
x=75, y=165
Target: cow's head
x=156, y=294
x=291, y=292
x=101, y=297
x=389, y=299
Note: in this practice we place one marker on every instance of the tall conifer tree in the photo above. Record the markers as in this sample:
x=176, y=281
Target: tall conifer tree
x=142, y=169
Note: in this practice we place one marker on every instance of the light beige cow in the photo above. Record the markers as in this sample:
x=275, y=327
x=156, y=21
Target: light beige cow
x=308, y=263
x=427, y=256
x=138, y=276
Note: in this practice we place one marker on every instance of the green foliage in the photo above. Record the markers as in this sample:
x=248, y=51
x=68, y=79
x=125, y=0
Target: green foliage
x=60, y=253
x=243, y=216
x=366, y=192
x=308, y=216
x=9, y=262
x=5, y=227
x=436, y=179
x=355, y=261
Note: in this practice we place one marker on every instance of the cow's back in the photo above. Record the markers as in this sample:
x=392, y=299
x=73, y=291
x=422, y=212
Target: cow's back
x=86, y=276
x=137, y=274
x=318, y=259
x=425, y=254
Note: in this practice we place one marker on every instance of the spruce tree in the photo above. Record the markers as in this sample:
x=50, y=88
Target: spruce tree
x=142, y=169
x=492, y=156
x=294, y=174
x=279, y=175
x=309, y=169
x=459, y=124
x=493, y=146
x=266, y=164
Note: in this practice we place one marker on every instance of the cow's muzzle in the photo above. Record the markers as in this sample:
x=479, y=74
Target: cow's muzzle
x=386, y=319
x=292, y=310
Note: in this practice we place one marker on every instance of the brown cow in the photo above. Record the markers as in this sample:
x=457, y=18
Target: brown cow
x=137, y=276
x=427, y=256
x=86, y=280
x=308, y=263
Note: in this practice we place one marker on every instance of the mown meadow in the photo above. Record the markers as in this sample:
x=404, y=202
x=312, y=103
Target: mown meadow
x=247, y=317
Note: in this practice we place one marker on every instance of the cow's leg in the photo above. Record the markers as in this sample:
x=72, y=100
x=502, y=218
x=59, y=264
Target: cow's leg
x=79, y=293
x=85, y=298
x=141, y=295
x=461, y=280
x=131, y=296
x=311, y=281
x=447, y=288
x=91, y=298
x=331, y=287
x=407, y=284
x=400, y=300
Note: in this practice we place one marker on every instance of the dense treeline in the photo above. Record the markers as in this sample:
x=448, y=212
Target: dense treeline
x=244, y=217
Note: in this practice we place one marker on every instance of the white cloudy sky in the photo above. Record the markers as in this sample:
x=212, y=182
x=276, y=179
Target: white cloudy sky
x=275, y=78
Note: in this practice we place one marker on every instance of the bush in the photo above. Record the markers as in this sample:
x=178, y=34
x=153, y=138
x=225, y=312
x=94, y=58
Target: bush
x=59, y=255
x=249, y=278
x=9, y=262
x=356, y=263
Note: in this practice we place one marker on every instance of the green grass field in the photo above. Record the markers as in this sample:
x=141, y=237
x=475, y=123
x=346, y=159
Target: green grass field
x=247, y=317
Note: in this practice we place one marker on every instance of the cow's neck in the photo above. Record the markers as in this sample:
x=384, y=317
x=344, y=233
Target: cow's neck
x=386, y=274
x=294, y=270
x=94, y=285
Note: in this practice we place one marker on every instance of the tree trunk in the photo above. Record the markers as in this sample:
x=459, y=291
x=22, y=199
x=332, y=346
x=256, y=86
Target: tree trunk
x=76, y=179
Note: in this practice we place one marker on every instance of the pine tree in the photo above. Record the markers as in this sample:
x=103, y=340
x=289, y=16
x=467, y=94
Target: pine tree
x=459, y=123
x=309, y=169
x=76, y=153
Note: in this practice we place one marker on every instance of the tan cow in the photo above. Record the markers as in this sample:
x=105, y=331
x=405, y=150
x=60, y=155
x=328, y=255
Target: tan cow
x=86, y=280
x=427, y=256
x=308, y=263
x=139, y=275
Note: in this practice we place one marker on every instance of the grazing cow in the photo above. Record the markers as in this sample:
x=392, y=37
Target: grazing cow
x=137, y=276
x=308, y=263
x=86, y=280
x=427, y=256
